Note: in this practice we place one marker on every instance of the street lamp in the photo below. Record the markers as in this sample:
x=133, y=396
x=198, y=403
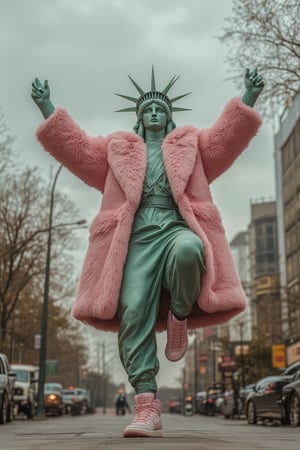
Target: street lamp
x=241, y=324
x=214, y=358
x=43, y=347
x=196, y=362
x=105, y=365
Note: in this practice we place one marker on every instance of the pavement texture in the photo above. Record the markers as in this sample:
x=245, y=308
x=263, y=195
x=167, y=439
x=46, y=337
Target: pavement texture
x=98, y=431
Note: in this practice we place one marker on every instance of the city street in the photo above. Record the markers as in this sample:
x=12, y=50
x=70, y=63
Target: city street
x=97, y=431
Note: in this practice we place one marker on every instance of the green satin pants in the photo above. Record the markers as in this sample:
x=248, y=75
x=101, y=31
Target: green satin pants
x=163, y=252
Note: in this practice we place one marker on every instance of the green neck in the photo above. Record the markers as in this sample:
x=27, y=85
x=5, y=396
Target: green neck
x=154, y=136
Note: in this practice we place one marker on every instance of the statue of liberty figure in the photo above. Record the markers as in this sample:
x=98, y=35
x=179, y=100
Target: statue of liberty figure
x=158, y=258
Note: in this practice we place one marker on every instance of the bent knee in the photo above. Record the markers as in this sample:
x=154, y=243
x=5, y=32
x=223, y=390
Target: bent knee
x=189, y=249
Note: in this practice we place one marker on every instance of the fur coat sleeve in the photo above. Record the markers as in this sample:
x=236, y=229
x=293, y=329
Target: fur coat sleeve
x=222, y=143
x=83, y=155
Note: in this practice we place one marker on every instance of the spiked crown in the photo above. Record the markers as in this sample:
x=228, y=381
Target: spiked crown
x=147, y=97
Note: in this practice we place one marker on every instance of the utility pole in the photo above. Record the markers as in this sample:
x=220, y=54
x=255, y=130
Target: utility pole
x=214, y=359
x=196, y=363
x=242, y=353
x=104, y=378
x=43, y=348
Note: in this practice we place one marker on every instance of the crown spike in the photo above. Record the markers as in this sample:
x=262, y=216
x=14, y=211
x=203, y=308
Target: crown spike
x=153, y=87
x=127, y=97
x=170, y=84
x=131, y=109
x=138, y=88
x=179, y=97
x=181, y=109
x=152, y=95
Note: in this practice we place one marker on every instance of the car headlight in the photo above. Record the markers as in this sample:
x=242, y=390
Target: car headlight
x=52, y=398
x=18, y=391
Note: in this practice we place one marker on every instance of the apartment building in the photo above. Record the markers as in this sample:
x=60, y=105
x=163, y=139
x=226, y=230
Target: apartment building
x=287, y=165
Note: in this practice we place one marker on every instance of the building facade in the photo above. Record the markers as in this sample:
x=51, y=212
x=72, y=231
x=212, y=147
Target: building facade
x=264, y=273
x=241, y=325
x=287, y=165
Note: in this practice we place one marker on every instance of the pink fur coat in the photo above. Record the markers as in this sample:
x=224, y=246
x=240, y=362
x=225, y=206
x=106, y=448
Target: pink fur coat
x=116, y=165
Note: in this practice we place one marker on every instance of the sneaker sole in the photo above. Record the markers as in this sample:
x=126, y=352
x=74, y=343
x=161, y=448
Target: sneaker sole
x=174, y=358
x=142, y=433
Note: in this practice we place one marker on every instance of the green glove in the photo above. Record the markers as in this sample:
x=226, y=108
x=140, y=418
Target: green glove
x=41, y=96
x=254, y=84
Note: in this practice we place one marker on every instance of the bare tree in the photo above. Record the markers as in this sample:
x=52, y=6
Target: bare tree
x=6, y=142
x=64, y=343
x=266, y=34
x=67, y=346
x=24, y=210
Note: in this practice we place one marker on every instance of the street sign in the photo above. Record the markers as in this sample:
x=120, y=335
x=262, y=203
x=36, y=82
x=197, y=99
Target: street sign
x=278, y=356
x=227, y=365
x=51, y=366
x=203, y=357
x=37, y=341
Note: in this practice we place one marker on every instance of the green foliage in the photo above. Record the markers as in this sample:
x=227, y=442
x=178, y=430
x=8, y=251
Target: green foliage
x=257, y=361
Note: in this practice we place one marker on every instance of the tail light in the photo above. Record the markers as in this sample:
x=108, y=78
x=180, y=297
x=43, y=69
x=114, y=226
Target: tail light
x=270, y=388
x=210, y=400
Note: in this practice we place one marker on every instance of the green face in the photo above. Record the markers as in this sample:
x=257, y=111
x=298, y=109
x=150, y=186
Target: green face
x=154, y=117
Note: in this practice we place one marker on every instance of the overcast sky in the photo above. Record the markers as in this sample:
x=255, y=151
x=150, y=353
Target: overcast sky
x=87, y=48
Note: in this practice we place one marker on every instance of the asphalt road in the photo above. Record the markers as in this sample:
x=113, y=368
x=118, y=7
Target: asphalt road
x=97, y=431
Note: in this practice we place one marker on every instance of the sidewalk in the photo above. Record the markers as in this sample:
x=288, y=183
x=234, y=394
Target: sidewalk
x=98, y=431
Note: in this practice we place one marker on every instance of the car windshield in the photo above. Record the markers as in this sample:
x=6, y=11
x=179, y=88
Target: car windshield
x=292, y=368
x=296, y=376
x=22, y=375
x=51, y=388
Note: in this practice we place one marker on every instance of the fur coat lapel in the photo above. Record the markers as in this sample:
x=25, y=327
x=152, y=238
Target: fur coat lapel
x=180, y=149
x=127, y=157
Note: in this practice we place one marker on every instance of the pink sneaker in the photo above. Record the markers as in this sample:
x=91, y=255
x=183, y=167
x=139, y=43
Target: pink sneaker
x=177, y=340
x=147, y=422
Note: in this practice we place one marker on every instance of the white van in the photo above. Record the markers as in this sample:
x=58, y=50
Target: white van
x=26, y=388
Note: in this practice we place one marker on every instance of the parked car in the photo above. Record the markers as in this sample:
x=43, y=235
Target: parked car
x=174, y=405
x=83, y=394
x=7, y=385
x=76, y=401
x=292, y=368
x=235, y=407
x=290, y=401
x=26, y=386
x=262, y=402
x=53, y=399
x=200, y=402
x=212, y=402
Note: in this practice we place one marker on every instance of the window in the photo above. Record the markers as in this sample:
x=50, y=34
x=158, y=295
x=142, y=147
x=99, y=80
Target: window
x=2, y=369
x=22, y=375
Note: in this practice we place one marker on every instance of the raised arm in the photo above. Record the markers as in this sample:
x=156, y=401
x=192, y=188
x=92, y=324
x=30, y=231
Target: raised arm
x=83, y=155
x=41, y=96
x=254, y=84
x=221, y=144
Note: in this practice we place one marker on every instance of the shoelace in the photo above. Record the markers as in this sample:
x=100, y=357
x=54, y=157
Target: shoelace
x=178, y=338
x=143, y=415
